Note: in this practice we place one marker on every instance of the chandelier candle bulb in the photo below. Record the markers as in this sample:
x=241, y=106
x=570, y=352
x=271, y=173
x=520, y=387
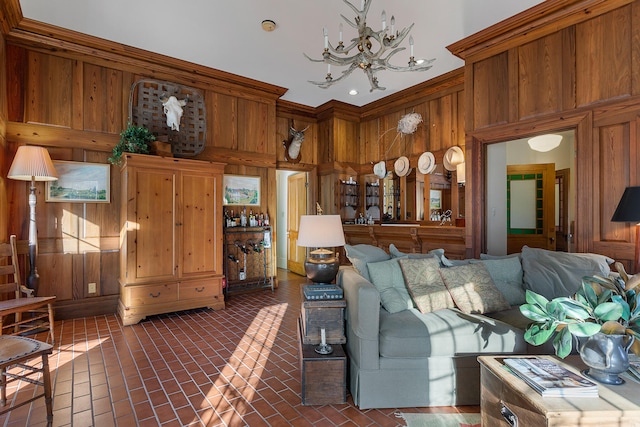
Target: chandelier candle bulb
x=384, y=20
x=393, y=26
x=326, y=37
x=411, y=46
x=340, y=31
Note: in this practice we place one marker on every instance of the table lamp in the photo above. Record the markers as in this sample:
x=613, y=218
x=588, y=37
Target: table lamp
x=32, y=163
x=628, y=210
x=321, y=232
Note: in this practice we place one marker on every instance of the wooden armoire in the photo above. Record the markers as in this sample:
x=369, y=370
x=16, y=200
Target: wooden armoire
x=171, y=236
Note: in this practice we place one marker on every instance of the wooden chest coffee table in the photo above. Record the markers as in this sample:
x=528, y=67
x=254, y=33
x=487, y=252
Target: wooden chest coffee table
x=502, y=391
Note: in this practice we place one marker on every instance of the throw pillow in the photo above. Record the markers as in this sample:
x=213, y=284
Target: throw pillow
x=506, y=273
x=472, y=289
x=361, y=255
x=425, y=284
x=387, y=277
x=396, y=253
x=559, y=274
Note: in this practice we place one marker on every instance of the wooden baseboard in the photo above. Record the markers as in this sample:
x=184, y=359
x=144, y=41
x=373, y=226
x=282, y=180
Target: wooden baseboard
x=73, y=309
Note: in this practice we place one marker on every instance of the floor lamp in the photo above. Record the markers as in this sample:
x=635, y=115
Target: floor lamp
x=628, y=210
x=32, y=163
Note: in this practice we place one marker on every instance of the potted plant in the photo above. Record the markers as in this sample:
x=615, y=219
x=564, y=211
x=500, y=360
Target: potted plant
x=605, y=308
x=134, y=139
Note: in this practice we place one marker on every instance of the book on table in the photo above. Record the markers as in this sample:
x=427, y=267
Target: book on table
x=550, y=379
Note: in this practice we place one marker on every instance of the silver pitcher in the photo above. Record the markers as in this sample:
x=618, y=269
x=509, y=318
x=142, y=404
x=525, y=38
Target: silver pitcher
x=606, y=356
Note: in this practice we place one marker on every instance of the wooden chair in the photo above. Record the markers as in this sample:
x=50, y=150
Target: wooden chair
x=17, y=351
x=18, y=300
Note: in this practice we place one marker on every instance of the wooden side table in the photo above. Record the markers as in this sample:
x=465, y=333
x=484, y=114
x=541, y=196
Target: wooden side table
x=324, y=377
x=502, y=392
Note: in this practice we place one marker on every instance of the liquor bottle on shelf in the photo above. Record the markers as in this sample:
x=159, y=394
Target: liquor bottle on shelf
x=233, y=258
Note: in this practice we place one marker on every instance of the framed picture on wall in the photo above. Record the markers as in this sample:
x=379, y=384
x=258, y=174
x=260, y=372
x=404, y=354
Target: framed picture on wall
x=435, y=199
x=241, y=190
x=80, y=182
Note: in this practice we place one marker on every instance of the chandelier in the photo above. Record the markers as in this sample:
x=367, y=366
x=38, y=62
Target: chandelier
x=373, y=49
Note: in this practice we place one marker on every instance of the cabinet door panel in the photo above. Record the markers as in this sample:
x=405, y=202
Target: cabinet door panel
x=198, y=228
x=155, y=217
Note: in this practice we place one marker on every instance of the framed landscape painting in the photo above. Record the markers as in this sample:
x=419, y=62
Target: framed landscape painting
x=80, y=183
x=241, y=190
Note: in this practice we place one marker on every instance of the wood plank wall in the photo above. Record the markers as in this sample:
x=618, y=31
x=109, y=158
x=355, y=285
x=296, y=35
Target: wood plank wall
x=576, y=66
x=570, y=64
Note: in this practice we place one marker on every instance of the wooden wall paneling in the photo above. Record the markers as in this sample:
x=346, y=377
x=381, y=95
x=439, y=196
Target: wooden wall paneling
x=77, y=108
x=16, y=66
x=635, y=47
x=91, y=274
x=491, y=91
x=346, y=141
x=369, y=141
x=222, y=121
x=540, y=76
x=49, y=89
x=253, y=126
x=614, y=159
x=56, y=275
x=109, y=265
x=418, y=141
x=391, y=141
x=325, y=146
x=102, y=104
x=603, y=57
x=569, y=68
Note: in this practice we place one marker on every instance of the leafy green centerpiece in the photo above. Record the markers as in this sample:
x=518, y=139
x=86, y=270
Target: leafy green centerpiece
x=609, y=305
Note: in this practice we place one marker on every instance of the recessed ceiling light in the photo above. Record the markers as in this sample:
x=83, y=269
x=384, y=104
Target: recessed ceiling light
x=353, y=92
x=268, y=25
x=419, y=61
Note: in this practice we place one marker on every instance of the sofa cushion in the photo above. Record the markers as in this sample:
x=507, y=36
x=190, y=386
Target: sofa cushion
x=411, y=334
x=472, y=289
x=507, y=276
x=425, y=284
x=387, y=277
x=396, y=253
x=554, y=274
x=361, y=255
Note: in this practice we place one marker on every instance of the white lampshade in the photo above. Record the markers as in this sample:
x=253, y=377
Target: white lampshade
x=32, y=162
x=544, y=143
x=320, y=231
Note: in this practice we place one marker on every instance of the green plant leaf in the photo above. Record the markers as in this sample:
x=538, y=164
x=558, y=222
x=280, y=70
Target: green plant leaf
x=590, y=294
x=539, y=334
x=608, y=311
x=584, y=329
x=626, y=310
x=563, y=343
x=534, y=298
x=534, y=313
x=574, y=309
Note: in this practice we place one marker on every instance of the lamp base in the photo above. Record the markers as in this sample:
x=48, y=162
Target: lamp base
x=321, y=266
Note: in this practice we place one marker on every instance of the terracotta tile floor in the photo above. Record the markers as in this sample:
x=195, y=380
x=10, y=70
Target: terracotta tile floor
x=234, y=367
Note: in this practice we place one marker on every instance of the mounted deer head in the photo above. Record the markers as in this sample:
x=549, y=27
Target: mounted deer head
x=293, y=144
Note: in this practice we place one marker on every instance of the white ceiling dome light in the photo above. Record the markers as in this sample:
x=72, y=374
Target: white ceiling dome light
x=544, y=143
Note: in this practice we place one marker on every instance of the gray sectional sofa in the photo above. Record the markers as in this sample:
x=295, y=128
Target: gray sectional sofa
x=415, y=323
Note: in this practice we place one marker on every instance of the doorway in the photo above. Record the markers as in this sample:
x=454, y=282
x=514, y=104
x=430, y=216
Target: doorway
x=498, y=219
x=291, y=197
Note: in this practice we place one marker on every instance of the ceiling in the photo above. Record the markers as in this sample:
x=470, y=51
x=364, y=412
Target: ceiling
x=227, y=35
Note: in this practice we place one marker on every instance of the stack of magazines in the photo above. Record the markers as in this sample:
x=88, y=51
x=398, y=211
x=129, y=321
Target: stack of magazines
x=550, y=379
